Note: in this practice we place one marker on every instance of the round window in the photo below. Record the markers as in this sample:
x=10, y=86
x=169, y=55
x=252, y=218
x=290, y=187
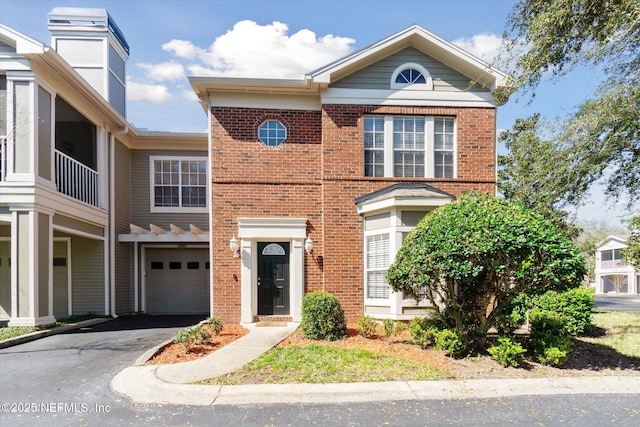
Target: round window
x=272, y=133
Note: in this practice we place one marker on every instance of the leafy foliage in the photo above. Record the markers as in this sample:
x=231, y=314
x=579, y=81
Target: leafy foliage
x=548, y=337
x=561, y=34
x=452, y=341
x=602, y=138
x=367, y=326
x=507, y=351
x=422, y=331
x=631, y=253
x=216, y=324
x=190, y=337
x=392, y=328
x=534, y=173
x=322, y=317
x=475, y=255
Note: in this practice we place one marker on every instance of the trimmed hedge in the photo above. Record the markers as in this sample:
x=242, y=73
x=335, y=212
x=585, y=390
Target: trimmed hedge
x=322, y=317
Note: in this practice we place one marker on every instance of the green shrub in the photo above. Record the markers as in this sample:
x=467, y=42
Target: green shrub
x=552, y=356
x=391, y=328
x=574, y=305
x=322, y=317
x=513, y=315
x=550, y=349
x=452, y=341
x=216, y=324
x=545, y=322
x=190, y=337
x=507, y=352
x=422, y=331
x=367, y=326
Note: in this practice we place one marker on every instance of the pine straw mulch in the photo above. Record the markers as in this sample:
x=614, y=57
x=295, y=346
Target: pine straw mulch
x=177, y=352
x=586, y=359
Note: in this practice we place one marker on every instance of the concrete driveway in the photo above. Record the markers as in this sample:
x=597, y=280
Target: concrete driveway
x=618, y=302
x=74, y=368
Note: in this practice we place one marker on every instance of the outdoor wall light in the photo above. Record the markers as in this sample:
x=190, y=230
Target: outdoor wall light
x=308, y=245
x=235, y=247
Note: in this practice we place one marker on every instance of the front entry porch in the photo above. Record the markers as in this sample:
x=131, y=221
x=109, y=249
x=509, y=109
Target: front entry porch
x=272, y=271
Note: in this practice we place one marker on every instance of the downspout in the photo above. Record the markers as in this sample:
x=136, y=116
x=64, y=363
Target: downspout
x=112, y=218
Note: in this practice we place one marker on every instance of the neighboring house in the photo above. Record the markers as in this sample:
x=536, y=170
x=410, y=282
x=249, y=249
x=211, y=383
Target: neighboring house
x=316, y=180
x=96, y=216
x=613, y=274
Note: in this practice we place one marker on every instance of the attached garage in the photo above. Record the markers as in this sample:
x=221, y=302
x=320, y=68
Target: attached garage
x=177, y=281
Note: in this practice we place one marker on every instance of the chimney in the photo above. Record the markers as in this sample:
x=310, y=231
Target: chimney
x=91, y=42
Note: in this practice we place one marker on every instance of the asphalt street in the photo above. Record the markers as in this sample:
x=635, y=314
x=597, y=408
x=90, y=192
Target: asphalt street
x=618, y=302
x=63, y=380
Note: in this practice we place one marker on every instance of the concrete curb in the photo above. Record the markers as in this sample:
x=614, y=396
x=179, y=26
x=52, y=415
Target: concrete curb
x=142, y=386
x=48, y=332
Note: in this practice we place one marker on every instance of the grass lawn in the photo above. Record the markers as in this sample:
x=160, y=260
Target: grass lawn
x=15, y=331
x=623, y=331
x=616, y=335
x=325, y=364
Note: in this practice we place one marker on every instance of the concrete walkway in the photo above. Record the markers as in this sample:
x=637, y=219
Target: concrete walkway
x=173, y=384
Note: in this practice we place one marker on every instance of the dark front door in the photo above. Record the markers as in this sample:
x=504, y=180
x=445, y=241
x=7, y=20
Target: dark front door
x=273, y=279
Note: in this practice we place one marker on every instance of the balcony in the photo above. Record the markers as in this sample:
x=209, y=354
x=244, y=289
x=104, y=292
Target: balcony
x=76, y=180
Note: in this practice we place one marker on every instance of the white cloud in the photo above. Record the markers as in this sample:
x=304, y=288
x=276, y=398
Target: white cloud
x=250, y=49
x=189, y=95
x=484, y=46
x=156, y=94
x=182, y=49
x=171, y=70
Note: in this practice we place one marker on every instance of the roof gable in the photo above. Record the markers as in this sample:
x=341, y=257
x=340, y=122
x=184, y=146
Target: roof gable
x=21, y=43
x=378, y=75
x=423, y=40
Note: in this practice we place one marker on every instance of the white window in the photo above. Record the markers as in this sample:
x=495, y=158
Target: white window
x=178, y=184
x=411, y=76
x=409, y=146
x=272, y=133
x=377, y=264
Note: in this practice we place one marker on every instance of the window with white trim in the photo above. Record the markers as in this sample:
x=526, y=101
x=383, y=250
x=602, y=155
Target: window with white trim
x=377, y=264
x=411, y=76
x=178, y=184
x=409, y=146
x=272, y=133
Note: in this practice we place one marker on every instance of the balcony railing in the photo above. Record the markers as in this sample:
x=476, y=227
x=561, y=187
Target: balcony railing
x=612, y=264
x=76, y=180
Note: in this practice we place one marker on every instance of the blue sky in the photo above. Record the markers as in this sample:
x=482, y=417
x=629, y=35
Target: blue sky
x=173, y=39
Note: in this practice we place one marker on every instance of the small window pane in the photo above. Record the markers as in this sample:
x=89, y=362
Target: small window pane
x=193, y=265
x=157, y=265
x=59, y=262
x=272, y=133
x=175, y=265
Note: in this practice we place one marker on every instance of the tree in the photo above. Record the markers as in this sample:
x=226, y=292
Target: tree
x=534, y=172
x=602, y=139
x=470, y=258
x=631, y=253
x=618, y=281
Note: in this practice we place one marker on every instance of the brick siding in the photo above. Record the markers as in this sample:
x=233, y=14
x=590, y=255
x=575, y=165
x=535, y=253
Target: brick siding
x=317, y=173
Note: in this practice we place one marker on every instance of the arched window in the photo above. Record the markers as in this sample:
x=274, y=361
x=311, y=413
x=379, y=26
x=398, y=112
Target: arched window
x=412, y=76
x=273, y=249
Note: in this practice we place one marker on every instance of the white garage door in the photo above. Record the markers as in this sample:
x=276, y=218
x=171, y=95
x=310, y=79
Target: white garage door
x=177, y=281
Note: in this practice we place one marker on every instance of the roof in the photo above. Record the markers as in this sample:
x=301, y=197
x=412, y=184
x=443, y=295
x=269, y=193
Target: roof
x=413, y=194
x=313, y=82
x=424, y=40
